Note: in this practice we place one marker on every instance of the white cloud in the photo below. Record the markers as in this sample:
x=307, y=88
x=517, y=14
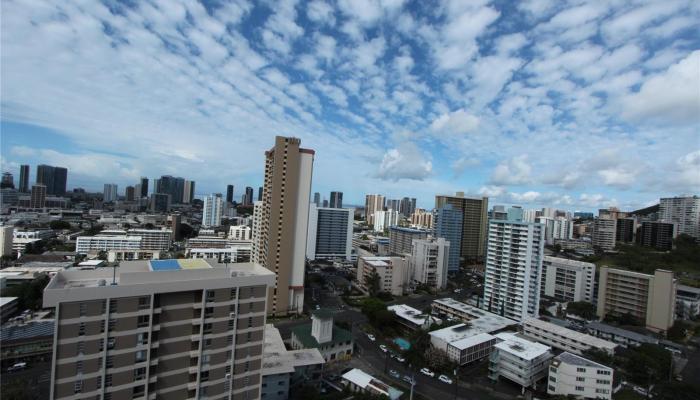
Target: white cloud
x=458, y=36
x=670, y=97
x=457, y=123
x=320, y=12
x=406, y=161
x=515, y=171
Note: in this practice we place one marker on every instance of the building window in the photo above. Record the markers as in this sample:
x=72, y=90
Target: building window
x=142, y=338
x=142, y=321
x=229, y=340
x=250, y=322
x=580, y=379
x=580, y=370
x=112, y=324
x=230, y=324
x=83, y=309
x=138, y=391
x=205, y=359
x=144, y=302
x=204, y=376
x=108, y=380
x=78, y=387
x=207, y=328
x=233, y=294
x=112, y=306
x=110, y=361
x=81, y=329
x=139, y=373
x=210, y=295
x=110, y=343
x=98, y=383
x=81, y=347
x=79, y=367
x=207, y=343
x=140, y=356
x=208, y=312
x=579, y=388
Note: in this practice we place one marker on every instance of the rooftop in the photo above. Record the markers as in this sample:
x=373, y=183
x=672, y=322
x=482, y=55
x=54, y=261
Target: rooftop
x=480, y=319
x=6, y=300
x=519, y=346
x=278, y=360
x=377, y=261
x=174, y=265
x=303, y=334
x=570, y=334
x=411, y=314
x=363, y=380
x=638, y=337
x=471, y=341
x=573, y=359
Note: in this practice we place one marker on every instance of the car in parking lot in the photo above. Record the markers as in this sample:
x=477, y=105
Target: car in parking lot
x=400, y=359
x=408, y=379
x=445, y=379
x=371, y=337
x=17, y=367
x=383, y=348
x=394, y=374
x=427, y=372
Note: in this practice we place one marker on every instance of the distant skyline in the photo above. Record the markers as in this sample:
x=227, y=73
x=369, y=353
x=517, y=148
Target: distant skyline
x=540, y=103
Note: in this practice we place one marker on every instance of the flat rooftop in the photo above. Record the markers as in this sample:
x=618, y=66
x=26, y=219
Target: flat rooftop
x=487, y=321
x=377, y=261
x=278, y=360
x=570, y=334
x=411, y=314
x=573, y=359
x=519, y=346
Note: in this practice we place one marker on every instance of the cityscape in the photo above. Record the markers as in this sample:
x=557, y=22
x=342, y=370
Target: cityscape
x=346, y=200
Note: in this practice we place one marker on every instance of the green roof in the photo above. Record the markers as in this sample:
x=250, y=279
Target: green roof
x=303, y=334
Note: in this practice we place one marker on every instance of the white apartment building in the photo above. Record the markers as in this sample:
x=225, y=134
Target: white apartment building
x=514, y=258
x=567, y=280
x=110, y=193
x=240, y=233
x=212, y=210
x=519, y=360
x=682, y=211
x=373, y=203
x=87, y=244
x=572, y=375
x=233, y=253
x=385, y=219
x=564, y=338
x=153, y=239
x=604, y=233
x=330, y=233
x=557, y=228
x=429, y=261
x=392, y=271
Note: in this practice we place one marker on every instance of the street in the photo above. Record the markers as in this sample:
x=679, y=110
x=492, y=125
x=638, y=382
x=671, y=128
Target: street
x=33, y=382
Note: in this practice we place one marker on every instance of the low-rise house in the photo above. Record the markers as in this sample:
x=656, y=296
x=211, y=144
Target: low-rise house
x=572, y=375
x=359, y=381
x=333, y=342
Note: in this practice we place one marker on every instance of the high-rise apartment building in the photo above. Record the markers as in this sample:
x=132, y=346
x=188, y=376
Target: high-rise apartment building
x=330, y=233
x=407, y=206
x=260, y=193
x=373, y=203
x=682, y=211
x=624, y=230
x=8, y=181
x=284, y=222
x=448, y=225
x=110, y=193
x=188, y=192
x=651, y=299
x=603, y=235
x=657, y=234
x=422, y=219
x=394, y=204
x=212, y=210
x=144, y=187
x=170, y=329
x=567, y=280
x=401, y=239
x=317, y=199
x=383, y=220
x=54, y=178
x=229, y=194
x=248, y=196
x=129, y=193
x=513, y=269
x=557, y=228
x=6, y=237
x=474, y=224
x=160, y=202
x=174, y=186
x=24, y=178
x=38, y=196
x=428, y=262
x=514, y=213
x=336, y=200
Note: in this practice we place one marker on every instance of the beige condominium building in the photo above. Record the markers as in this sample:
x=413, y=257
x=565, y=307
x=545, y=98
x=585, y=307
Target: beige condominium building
x=649, y=298
x=284, y=219
x=474, y=223
x=373, y=203
x=159, y=329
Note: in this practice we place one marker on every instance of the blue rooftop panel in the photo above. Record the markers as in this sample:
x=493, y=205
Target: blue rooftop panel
x=164, y=265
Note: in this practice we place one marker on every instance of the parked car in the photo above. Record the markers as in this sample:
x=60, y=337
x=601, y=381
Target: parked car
x=426, y=371
x=408, y=379
x=371, y=337
x=383, y=348
x=400, y=359
x=394, y=374
x=17, y=367
x=445, y=379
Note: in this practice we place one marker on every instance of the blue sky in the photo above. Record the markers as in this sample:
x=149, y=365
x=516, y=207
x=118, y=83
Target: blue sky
x=543, y=103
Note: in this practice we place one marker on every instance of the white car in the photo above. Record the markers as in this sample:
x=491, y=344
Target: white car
x=400, y=359
x=383, y=348
x=371, y=337
x=426, y=371
x=445, y=379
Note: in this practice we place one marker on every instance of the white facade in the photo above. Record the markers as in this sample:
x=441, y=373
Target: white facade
x=513, y=268
x=428, y=262
x=235, y=253
x=392, y=271
x=330, y=233
x=6, y=238
x=571, y=375
x=557, y=228
x=240, y=233
x=519, y=360
x=564, y=338
x=567, y=280
x=682, y=211
x=296, y=297
x=153, y=239
x=213, y=208
x=687, y=301
x=385, y=219
x=255, y=232
x=110, y=193
x=87, y=244
x=604, y=233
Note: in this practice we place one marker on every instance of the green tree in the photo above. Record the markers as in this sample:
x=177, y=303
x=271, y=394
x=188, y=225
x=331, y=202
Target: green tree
x=59, y=225
x=29, y=294
x=647, y=364
x=373, y=282
x=583, y=309
x=679, y=331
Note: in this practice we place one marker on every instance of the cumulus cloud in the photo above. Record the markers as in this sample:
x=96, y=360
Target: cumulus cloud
x=515, y=171
x=670, y=97
x=458, y=122
x=406, y=161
